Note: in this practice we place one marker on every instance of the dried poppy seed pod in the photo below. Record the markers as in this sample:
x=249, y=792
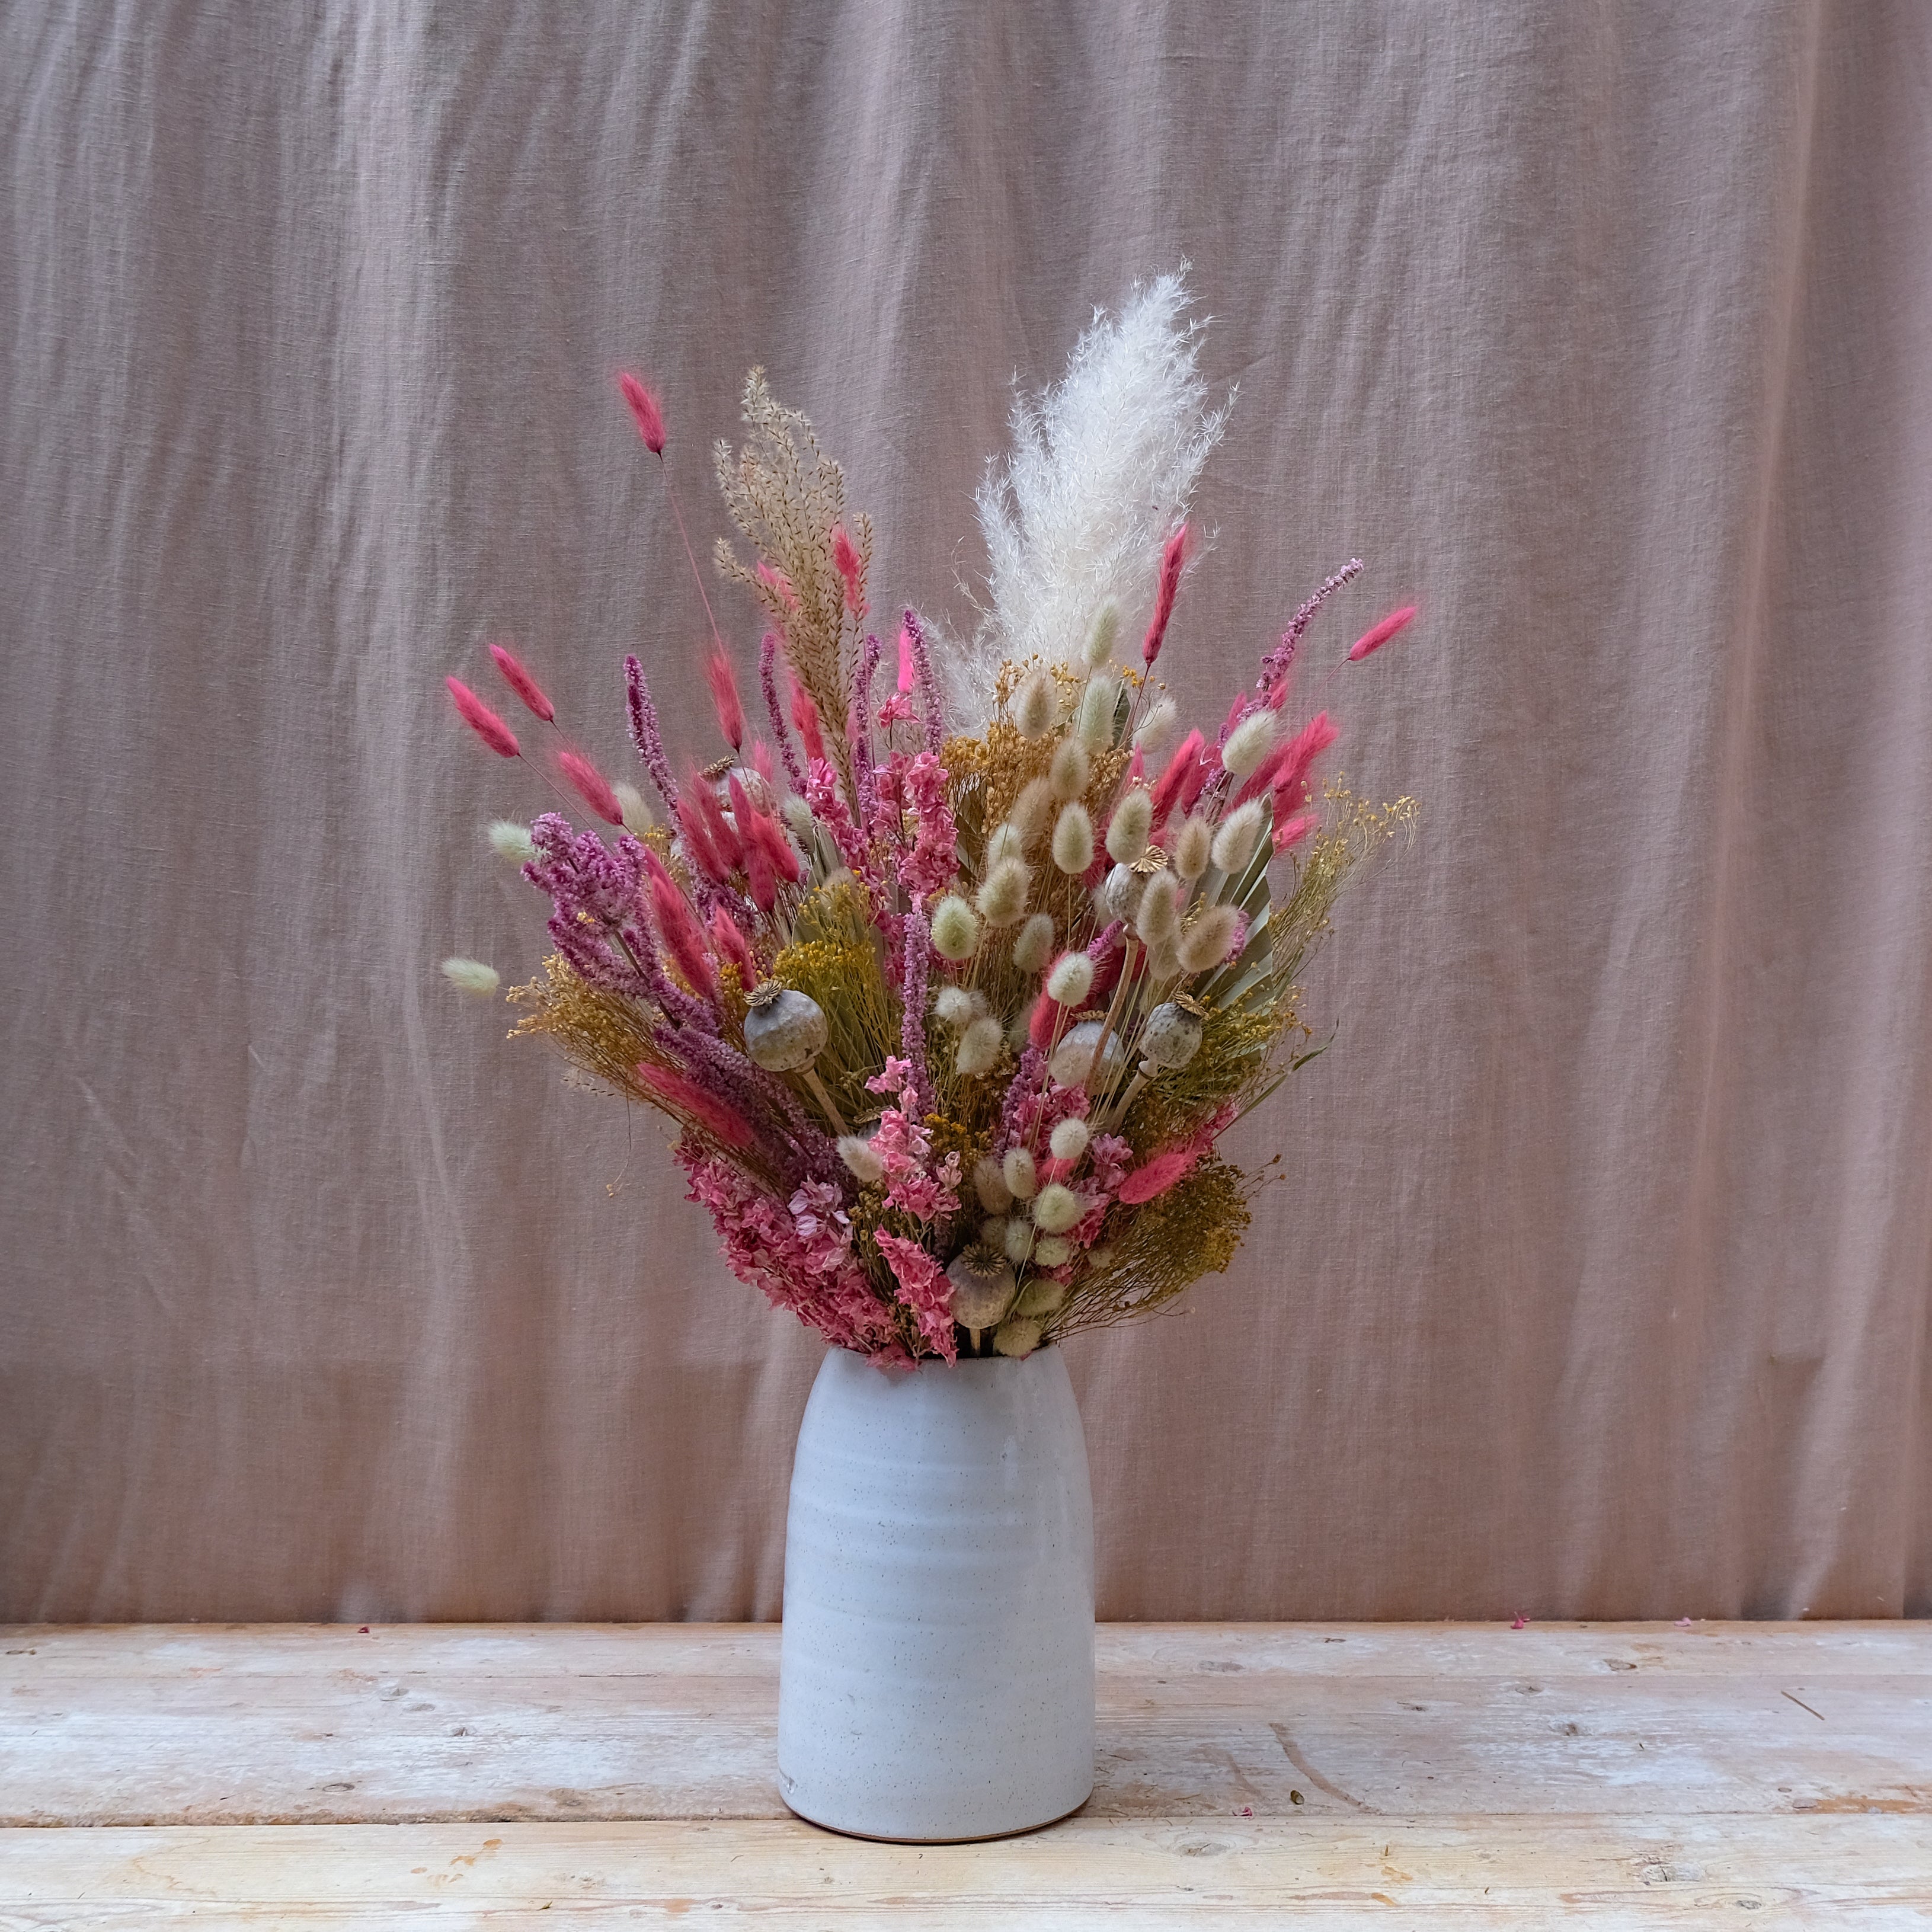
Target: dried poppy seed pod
x=1067, y=776
x=1043, y=1295
x=1171, y=1036
x=1034, y=946
x=990, y=1184
x=1120, y=893
x=784, y=1029
x=1019, y=1335
x=1036, y=705
x=1074, y=1055
x=983, y=1287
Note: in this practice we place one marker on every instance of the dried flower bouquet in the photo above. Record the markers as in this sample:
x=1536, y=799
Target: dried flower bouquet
x=951, y=990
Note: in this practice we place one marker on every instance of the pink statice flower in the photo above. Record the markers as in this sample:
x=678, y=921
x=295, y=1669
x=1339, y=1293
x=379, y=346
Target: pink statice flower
x=897, y=710
x=923, y=1289
x=1111, y=1157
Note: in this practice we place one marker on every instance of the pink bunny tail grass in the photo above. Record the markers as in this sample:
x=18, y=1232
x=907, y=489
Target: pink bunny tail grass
x=526, y=687
x=591, y=786
x=644, y=407
x=905, y=654
x=1303, y=749
x=846, y=560
x=1172, y=559
x=732, y=948
x=681, y=1095
x=645, y=733
x=764, y=764
x=724, y=682
x=1174, y=780
x=697, y=844
x=723, y=839
x=805, y=717
x=1047, y=1014
x=1155, y=1177
x=1373, y=640
x=1293, y=831
x=762, y=837
x=483, y=721
x=682, y=934
x=1137, y=766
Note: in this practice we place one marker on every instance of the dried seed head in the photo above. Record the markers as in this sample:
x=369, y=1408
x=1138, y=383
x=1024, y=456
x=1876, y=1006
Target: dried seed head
x=1036, y=706
x=1069, y=1139
x=1106, y=628
x=784, y=1029
x=1034, y=946
x=1055, y=1208
x=1070, y=769
x=1071, y=979
x=472, y=976
x=955, y=929
x=1234, y=843
x=1159, y=918
x=953, y=1006
x=1153, y=729
x=1003, y=898
x=1008, y=841
x=979, y=1047
x=1074, y=1054
x=509, y=840
x=1052, y=1251
x=1192, y=846
x=1209, y=939
x=1073, y=839
x=1098, y=703
x=1249, y=742
x=1171, y=1036
x=1022, y=1179
x=1127, y=830
x=983, y=1287
x=857, y=1154
x=990, y=1184
x=1018, y=1335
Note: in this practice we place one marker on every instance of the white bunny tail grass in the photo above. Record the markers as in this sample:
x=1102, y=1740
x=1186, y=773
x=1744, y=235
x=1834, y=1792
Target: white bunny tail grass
x=1103, y=467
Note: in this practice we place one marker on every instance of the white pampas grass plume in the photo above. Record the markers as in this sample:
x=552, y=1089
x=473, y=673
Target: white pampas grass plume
x=955, y=929
x=509, y=840
x=1073, y=840
x=1071, y=979
x=1018, y=1336
x=1019, y=1240
x=1234, y=843
x=1127, y=830
x=471, y=976
x=1103, y=467
x=990, y=1184
x=979, y=1047
x=1159, y=918
x=1249, y=742
x=1003, y=898
x=1154, y=728
x=857, y=1154
x=1055, y=1208
x=1034, y=946
x=1008, y=841
x=1036, y=706
x=1193, y=846
x=1022, y=1177
x=1098, y=703
x=1206, y=941
x=1067, y=776
x=954, y=1006
x=1069, y=1139
x=636, y=814
x=1100, y=639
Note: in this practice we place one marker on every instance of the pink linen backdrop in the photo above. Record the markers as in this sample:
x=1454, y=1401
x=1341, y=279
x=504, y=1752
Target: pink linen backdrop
x=1597, y=1283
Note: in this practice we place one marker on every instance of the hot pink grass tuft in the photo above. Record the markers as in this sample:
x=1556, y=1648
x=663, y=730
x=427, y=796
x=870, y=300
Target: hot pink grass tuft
x=732, y=948
x=724, y=682
x=1373, y=640
x=1294, y=830
x=905, y=658
x=1174, y=781
x=845, y=559
x=1171, y=560
x=1303, y=749
x=705, y=1110
x=763, y=764
x=526, y=687
x=483, y=721
x=682, y=934
x=644, y=407
x=591, y=786
x=805, y=717
x=1156, y=1176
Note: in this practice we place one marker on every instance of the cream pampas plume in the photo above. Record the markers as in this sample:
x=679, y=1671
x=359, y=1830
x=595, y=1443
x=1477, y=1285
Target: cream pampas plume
x=1102, y=466
x=1234, y=843
x=471, y=976
x=1073, y=840
x=509, y=840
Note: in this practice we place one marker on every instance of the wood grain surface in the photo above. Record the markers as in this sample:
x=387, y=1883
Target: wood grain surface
x=1611, y=1775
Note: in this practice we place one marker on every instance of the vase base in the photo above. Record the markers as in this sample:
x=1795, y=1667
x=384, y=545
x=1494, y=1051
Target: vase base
x=929, y=1838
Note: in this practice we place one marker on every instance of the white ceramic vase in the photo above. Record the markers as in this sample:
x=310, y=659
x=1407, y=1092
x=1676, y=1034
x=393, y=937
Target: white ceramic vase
x=936, y=1680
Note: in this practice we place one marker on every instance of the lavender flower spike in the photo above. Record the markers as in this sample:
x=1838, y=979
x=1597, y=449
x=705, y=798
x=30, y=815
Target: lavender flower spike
x=928, y=685
x=768, y=683
x=1274, y=666
x=645, y=733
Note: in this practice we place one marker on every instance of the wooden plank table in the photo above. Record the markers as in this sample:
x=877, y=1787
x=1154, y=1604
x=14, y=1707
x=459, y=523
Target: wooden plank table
x=1634, y=1775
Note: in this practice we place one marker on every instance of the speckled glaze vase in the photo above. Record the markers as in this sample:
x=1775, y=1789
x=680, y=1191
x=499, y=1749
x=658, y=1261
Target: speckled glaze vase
x=936, y=1680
